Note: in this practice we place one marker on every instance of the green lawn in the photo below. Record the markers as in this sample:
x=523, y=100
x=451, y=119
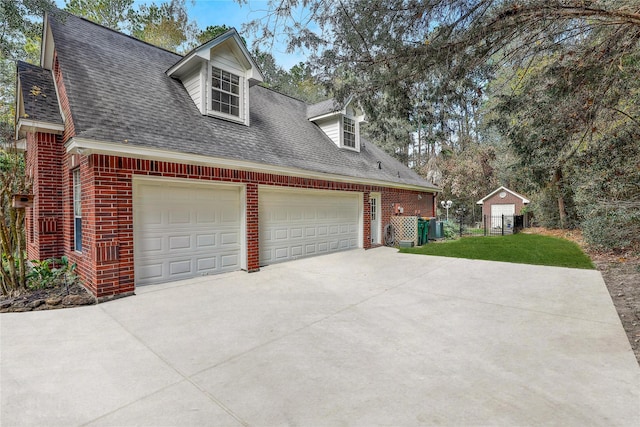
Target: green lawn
x=519, y=248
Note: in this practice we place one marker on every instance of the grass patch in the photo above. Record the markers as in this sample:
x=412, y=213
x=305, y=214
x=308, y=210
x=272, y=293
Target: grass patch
x=519, y=248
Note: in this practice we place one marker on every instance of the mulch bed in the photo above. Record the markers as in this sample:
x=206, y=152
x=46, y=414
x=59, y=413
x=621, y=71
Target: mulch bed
x=46, y=299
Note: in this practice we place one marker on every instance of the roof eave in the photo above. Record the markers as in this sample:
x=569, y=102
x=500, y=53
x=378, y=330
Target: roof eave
x=87, y=146
x=25, y=125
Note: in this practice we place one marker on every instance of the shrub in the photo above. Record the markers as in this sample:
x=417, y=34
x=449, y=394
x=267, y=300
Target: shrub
x=50, y=273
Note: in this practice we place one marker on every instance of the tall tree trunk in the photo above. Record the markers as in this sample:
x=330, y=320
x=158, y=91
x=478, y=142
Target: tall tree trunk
x=557, y=181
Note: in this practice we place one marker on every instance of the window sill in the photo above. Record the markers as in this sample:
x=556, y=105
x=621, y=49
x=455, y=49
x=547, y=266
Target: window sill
x=227, y=117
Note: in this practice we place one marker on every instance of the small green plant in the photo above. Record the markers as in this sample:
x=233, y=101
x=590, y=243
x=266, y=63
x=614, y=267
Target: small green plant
x=450, y=229
x=51, y=272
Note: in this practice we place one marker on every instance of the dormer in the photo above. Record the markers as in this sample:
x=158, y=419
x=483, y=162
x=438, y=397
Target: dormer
x=217, y=76
x=340, y=123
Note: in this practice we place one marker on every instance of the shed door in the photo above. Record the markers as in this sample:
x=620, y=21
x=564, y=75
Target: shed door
x=497, y=210
x=295, y=224
x=183, y=230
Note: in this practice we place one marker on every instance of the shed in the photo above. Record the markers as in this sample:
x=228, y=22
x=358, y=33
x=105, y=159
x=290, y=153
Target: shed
x=502, y=201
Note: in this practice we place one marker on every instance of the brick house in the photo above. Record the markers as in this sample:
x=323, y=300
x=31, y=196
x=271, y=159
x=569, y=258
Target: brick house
x=150, y=167
x=502, y=201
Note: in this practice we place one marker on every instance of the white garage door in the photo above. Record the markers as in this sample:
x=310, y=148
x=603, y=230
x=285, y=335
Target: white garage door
x=183, y=230
x=497, y=210
x=306, y=223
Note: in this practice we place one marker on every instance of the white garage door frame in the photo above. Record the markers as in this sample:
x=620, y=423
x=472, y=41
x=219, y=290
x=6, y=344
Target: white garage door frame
x=268, y=189
x=137, y=181
x=499, y=209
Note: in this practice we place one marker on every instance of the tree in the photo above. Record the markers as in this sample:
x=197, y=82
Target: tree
x=114, y=14
x=210, y=33
x=12, y=237
x=166, y=25
x=571, y=67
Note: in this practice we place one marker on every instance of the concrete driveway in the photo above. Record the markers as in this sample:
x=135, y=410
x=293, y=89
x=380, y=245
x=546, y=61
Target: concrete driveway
x=359, y=338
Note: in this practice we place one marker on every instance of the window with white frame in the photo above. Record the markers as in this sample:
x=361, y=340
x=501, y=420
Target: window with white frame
x=77, y=211
x=225, y=92
x=348, y=132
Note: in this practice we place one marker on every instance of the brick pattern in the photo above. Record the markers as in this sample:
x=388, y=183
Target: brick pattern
x=413, y=203
x=106, y=264
x=43, y=167
x=509, y=199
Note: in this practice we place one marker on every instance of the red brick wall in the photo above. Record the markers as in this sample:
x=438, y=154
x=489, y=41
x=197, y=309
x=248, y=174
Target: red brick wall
x=43, y=166
x=409, y=200
x=510, y=199
x=106, y=263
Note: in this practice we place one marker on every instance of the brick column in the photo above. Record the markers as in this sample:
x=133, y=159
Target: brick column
x=44, y=219
x=253, y=244
x=107, y=227
x=366, y=222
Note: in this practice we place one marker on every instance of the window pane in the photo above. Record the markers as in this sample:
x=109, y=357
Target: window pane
x=349, y=132
x=77, y=210
x=77, y=238
x=225, y=92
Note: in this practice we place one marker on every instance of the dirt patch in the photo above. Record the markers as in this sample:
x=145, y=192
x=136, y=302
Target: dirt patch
x=46, y=299
x=621, y=274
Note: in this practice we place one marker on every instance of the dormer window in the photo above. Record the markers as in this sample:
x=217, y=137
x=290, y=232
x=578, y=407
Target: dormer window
x=348, y=132
x=225, y=92
x=217, y=75
x=341, y=123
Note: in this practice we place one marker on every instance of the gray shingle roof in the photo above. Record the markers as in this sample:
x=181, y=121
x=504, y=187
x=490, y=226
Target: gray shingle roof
x=38, y=94
x=322, y=108
x=118, y=90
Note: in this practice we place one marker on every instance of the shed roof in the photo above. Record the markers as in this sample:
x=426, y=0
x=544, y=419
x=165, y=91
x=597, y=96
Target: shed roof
x=502, y=188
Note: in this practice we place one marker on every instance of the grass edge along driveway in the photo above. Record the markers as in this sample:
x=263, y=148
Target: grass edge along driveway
x=517, y=248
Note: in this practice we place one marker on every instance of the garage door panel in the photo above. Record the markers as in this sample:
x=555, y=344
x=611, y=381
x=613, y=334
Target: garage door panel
x=185, y=230
x=179, y=242
x=299, y=224
x=206, y=240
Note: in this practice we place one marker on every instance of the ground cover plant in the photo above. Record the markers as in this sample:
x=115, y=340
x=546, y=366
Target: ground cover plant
x=518, y=248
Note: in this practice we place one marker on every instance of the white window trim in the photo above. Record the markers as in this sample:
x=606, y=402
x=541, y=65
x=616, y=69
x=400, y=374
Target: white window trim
x=77, y=198
x=357, y=133
x=209, y=100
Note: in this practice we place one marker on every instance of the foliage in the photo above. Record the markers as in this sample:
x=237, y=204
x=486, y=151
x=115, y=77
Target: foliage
x=166, y=25
x=12, y=239
x=519, y=248
x=51, y=273
x=543, y=82
x=115, y=14
x=450, y=229
x=20, y=23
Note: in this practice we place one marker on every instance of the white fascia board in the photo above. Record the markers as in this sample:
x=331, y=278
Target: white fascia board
x=325, y=116
x=202, y=52
x=502, y=188
x=189, y=60
x=39, y=126
x=87, y=146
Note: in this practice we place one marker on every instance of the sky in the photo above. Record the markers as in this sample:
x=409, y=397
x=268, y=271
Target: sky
x=232, y=14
